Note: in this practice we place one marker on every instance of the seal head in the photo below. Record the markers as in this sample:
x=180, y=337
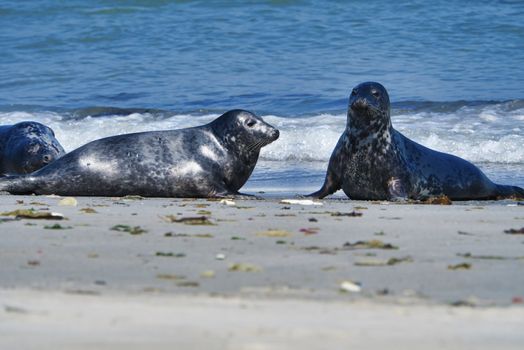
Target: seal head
x=26, y=147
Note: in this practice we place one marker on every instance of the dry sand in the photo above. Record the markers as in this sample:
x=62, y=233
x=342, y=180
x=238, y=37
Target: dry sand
x=260, y=274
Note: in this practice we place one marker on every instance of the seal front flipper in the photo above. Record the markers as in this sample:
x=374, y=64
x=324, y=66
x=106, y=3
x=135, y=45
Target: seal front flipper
x=330, y=186
x=235, y=195
x=396, y=190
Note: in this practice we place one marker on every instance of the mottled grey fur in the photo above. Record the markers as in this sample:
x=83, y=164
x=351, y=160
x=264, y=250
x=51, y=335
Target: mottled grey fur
x=26, y=147
x=211, y=160
x=373, y=161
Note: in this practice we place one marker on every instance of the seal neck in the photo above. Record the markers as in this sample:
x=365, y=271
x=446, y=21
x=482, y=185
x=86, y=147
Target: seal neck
x=363, y=124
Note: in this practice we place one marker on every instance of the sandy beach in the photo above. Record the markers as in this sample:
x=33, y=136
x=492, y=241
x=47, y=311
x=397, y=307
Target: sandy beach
x=259, y=274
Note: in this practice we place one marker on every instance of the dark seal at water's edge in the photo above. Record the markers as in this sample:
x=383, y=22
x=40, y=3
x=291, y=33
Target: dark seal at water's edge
x=373, y=161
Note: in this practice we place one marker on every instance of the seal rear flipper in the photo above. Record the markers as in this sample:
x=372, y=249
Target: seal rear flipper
x=15, y=184
x=505, y=191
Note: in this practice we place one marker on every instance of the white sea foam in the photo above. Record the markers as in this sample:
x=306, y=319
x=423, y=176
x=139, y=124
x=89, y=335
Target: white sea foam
x=486, y=134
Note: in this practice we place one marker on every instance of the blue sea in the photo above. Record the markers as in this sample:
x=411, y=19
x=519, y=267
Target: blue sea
x=90, y=69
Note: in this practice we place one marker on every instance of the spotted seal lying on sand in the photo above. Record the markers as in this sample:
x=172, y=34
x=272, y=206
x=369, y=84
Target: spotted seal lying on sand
x=373, y=161
x=26, y=147
x=211, y=160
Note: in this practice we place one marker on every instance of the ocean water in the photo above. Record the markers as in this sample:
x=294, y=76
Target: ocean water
x=454, y=72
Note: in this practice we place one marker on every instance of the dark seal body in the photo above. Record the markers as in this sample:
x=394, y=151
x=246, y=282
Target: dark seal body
x=373, y=161
x=211, y=160
x=26, y=147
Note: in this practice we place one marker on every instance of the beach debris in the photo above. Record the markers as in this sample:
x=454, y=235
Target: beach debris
x=68, y=201
x=82, y=291
x=379, y=233
x=201, y=205
x=329, y=268
x=358, y=207
x=237, y=238
x=371, y=244
x=442, y=200
x=280, y=241
x=312, y=220
x=203, y=235
x=134, y=230
x=517, y=300
x=285, y=215
x=88, y=210
x=57, y=227
x=208, y=274
x=39, y=204
x=15, y=309
x=350, y=286
x=464, y=233
x=227, y=202
x=513, y=231
x=464, y=303
x=170, y=254
x=321, y=250
x=244, y=267
x=384, y=262
x=7, y=219
x=133, y=198
x=203, y=212
x=309, y=230
x=489, y=257
x=390, y=217
x=33, y=262
x=170, y=277
x=190, y=220
x=300, y=202
x=274, y=233
x=93, y=255
x=220, y=256
x=461, y=266
x=351, y=214
x=32, y=214
x=192, y=284
x=19, y=201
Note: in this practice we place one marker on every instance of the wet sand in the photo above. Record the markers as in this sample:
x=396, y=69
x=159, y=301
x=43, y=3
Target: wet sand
x=260, y=274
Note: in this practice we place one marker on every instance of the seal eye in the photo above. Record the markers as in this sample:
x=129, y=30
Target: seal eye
x=354, y=92
x=251, y=123
x=375, y=93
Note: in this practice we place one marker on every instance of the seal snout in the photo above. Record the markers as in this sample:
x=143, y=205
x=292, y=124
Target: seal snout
x=360, y=104
x=275, y=134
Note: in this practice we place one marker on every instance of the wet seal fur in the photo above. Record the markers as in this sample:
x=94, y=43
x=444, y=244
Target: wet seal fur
x=373, y=161
x=26, y=147
x=212, y=160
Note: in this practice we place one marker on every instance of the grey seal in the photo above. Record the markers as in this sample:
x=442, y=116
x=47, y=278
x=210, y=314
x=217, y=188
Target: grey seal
x=212, y=160
x=373, y=161
x=27, y=146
